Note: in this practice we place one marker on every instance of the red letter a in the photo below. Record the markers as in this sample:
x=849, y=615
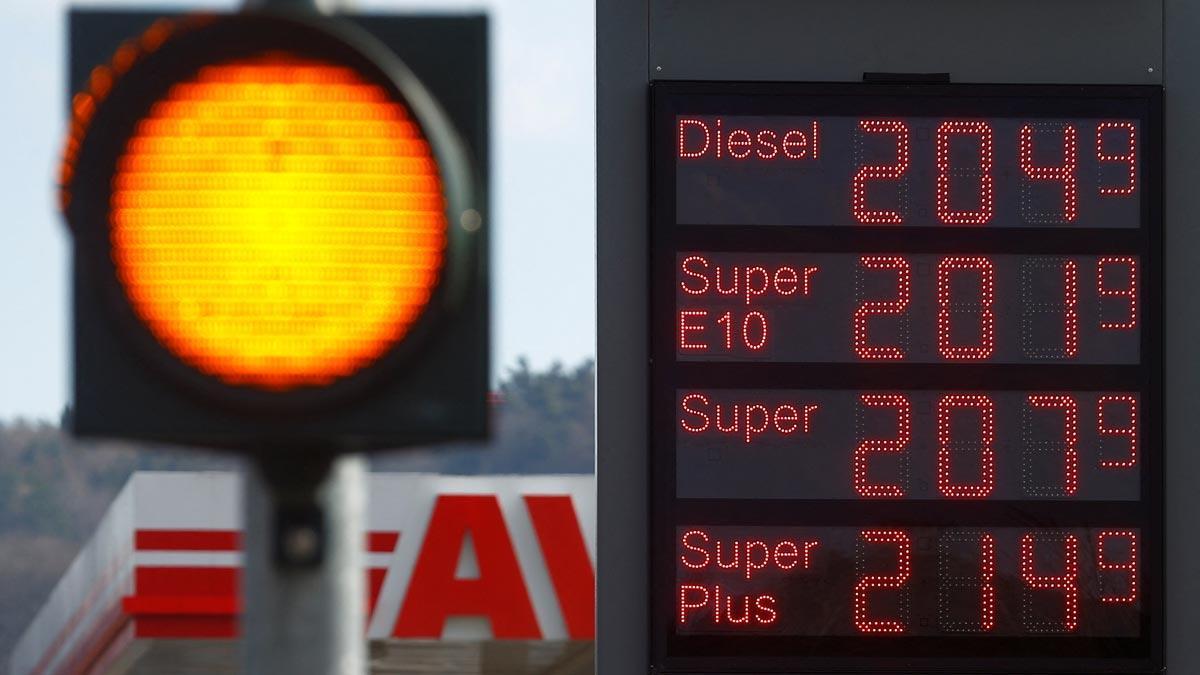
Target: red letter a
x=434, y=594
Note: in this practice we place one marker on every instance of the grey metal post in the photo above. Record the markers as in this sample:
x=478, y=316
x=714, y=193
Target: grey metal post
x=1182, y=99
x=622, y=472
x=303, y=587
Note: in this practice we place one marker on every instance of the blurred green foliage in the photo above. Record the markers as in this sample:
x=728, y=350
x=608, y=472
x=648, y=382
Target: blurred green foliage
x=543, y=422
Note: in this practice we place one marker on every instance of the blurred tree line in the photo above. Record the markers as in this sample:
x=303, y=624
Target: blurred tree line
x=543, y=423
x=54, y=490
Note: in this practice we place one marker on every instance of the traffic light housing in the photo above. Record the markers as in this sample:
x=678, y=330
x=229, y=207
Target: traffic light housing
x=280, y=229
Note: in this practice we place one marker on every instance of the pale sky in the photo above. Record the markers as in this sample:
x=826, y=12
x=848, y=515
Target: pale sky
x=543, y=188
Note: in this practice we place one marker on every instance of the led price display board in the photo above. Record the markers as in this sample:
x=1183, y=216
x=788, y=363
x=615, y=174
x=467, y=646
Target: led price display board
x=907, y=378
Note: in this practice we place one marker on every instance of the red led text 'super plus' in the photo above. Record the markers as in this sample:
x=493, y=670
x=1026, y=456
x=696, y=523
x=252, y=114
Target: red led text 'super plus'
x=906, y=581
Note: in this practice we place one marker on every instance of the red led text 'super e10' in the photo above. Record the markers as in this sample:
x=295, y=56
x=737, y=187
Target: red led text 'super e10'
x=924, y=308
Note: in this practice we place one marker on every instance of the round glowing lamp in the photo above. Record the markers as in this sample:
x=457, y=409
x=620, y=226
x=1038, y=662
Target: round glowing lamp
x=280, y=210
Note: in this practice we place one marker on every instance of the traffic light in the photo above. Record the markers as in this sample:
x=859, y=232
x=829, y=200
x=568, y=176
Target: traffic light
x=279, y=230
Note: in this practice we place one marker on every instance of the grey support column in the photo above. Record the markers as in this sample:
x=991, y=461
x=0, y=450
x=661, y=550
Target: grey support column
x=622, y=437
x=1182, y=100
x=303, y=587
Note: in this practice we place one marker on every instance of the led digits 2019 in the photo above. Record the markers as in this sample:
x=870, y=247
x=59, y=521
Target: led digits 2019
x=907, y=378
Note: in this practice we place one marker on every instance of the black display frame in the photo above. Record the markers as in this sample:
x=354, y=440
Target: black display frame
x=877, y=654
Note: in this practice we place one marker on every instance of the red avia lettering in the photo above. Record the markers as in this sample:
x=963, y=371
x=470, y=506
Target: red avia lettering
x=566, y=556
x=499, y=592
x=702, y=551
x=714, y=139
x=700, y=277
x=746, y=419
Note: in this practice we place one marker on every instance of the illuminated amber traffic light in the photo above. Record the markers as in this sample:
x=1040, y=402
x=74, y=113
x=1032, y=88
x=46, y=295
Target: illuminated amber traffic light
x=278, y=221
x=275, y=207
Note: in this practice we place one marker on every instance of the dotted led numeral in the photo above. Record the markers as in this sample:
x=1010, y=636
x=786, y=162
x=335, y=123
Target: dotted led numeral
x=1034, y=307
x=982, y=131
x=1125, y=132
x=1064, y=173
x=1129, y=292
x=902, y=544
x=1105, y=408
x=982, y=584
x=878, y=172
x=873, y=308
x=1037, y=580
x=1129, y=566
x=897, y=445
x=1033, y=450
x=947, y=308
x=986, y=408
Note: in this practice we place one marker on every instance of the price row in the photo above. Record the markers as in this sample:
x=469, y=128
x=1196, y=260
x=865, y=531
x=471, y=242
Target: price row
x=978, y=445
x=908, y=308
x=998, y=172
x=920, y=581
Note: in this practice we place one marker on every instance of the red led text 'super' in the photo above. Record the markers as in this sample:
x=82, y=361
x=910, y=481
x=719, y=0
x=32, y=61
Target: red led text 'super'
x=747, y=420
x=703, y=552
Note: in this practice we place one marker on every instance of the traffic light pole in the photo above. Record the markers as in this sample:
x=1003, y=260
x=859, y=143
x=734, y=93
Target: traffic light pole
x=303, y=589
